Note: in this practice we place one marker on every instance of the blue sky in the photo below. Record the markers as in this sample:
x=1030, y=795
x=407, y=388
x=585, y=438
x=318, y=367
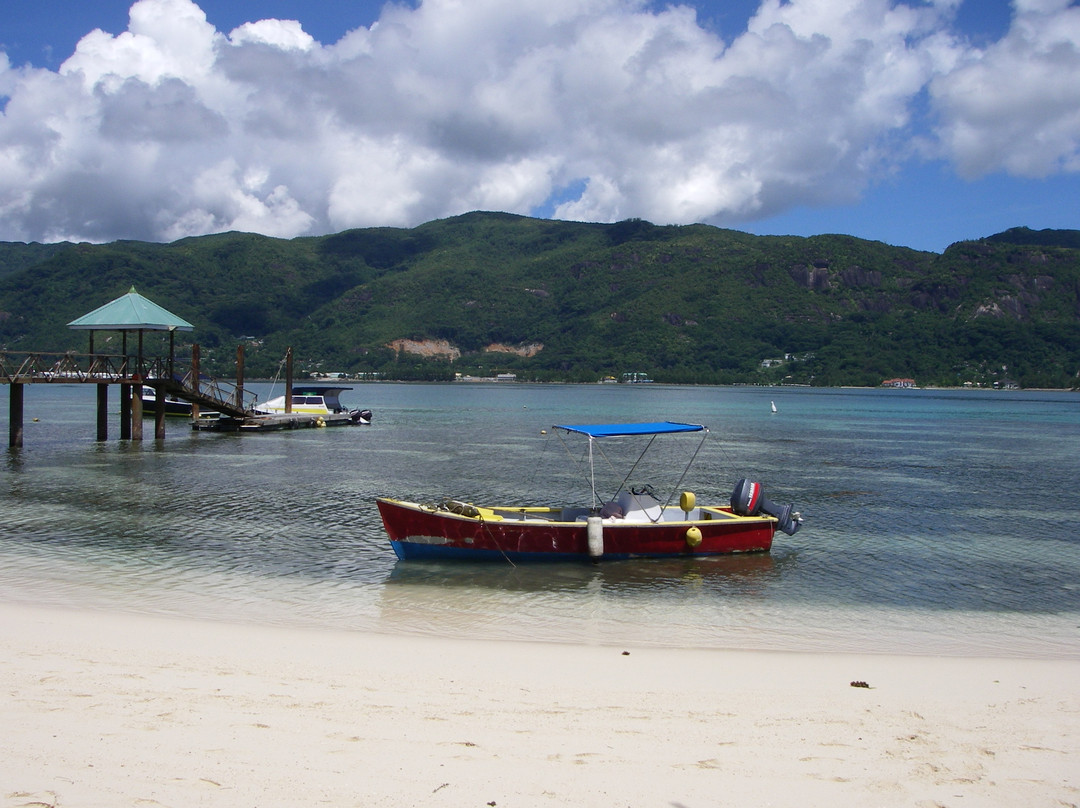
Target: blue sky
x=918, y=123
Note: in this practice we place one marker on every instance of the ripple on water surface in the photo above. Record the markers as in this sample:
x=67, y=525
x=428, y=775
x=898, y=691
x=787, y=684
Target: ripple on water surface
x=913, y=541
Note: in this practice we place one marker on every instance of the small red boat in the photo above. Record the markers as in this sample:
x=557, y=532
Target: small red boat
x=633, y=523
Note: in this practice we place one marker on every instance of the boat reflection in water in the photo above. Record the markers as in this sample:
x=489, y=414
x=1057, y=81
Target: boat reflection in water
x=742, y=572
x=676, y=602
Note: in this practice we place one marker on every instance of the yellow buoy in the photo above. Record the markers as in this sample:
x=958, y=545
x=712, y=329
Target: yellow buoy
x=693, y=536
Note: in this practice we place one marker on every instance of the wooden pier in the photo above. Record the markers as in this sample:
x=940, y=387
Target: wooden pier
x=134, y=314
x=165, y=376
x=274, y=422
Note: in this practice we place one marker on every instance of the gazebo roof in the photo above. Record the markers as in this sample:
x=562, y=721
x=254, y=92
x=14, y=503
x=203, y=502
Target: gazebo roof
x=131, y=312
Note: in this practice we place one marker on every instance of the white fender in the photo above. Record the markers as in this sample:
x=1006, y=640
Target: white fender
x=595, y=532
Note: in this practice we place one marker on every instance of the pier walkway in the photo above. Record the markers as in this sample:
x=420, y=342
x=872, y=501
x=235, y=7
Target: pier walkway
x=166, y=376
x=34, y=367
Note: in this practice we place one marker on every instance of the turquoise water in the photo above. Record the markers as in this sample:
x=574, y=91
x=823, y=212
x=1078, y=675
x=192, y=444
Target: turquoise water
x=936, y=521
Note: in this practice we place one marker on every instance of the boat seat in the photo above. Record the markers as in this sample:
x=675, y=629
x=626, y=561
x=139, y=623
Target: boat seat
x=639, y=507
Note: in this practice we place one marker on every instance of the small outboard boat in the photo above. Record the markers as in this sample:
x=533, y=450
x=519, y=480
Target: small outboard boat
x=634, y=522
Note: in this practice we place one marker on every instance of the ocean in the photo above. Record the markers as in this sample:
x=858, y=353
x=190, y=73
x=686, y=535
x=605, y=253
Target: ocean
x=936, y=521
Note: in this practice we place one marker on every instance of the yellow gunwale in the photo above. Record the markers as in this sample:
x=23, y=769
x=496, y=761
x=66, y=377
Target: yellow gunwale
x=494, y=513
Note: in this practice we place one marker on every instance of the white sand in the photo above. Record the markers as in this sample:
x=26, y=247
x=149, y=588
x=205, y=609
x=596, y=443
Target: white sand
x=112, y=710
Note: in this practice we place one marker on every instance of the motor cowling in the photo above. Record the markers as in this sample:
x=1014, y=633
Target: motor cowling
x=748, y=499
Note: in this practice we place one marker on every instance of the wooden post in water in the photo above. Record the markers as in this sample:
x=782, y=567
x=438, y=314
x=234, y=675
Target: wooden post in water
x=288, y=380
x=136, y=412
x=103, y=412
x=172, y=350
x=159, y=414
x=15, y=414
x=125, y=390
x=195, y=379
x=102, y=400
x=125, y=411
x=136, y=394
x=240, y=376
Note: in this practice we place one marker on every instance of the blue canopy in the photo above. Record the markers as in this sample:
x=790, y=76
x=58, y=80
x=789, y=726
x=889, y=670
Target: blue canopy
x=622, y=430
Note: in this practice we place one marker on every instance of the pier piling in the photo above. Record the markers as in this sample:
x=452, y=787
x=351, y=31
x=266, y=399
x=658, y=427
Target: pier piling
x=136, y=411
x=125, y=412
x=103, y=412
x=15, y=415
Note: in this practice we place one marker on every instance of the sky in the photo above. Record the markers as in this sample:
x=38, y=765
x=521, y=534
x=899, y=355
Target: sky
x=918, y=123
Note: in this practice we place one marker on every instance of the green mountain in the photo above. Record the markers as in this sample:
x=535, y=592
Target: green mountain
x=550, y=300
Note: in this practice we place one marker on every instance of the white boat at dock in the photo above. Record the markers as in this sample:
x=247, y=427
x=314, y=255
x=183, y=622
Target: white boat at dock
x=315, y=400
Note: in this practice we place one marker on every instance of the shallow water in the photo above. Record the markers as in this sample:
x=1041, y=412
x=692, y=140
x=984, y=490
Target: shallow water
x=936, y=521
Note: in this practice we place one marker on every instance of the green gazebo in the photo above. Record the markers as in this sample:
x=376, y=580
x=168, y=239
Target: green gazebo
x=129, y=313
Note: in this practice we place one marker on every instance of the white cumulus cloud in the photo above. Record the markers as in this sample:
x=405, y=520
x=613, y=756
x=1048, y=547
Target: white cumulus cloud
x=593, y=109
x=1015, y=106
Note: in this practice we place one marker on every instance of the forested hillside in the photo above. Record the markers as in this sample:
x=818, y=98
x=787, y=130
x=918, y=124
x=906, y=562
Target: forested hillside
x=550, y=300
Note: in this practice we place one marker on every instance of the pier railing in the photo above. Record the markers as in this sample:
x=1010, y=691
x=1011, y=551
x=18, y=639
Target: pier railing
x=211, y=393
x=175, y=377
x=36, y=366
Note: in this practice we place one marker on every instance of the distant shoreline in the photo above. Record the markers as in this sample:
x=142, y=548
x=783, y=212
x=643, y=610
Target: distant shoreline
x=654, y=383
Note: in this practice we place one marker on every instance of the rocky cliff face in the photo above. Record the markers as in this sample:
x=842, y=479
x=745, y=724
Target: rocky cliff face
x=428, y=348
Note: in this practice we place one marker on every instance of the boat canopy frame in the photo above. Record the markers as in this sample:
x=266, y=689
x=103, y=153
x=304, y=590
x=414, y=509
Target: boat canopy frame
x=629, y=430
x=652, y=429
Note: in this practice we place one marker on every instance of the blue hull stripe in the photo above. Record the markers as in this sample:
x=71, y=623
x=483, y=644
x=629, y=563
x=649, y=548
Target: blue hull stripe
x=411, y=551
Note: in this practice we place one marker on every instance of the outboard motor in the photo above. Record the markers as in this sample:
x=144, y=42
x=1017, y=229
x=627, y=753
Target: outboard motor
x=748, y=499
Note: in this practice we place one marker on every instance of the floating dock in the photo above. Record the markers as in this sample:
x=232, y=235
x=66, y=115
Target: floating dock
x=274, y=423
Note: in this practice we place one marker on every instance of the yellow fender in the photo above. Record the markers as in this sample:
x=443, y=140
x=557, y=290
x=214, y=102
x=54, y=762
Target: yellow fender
x=687, y=502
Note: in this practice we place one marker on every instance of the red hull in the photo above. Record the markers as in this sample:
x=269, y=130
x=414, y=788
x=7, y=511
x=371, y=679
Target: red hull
x=422, y=532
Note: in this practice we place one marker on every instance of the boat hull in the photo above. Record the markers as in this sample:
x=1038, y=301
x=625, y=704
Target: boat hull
x=426, y=532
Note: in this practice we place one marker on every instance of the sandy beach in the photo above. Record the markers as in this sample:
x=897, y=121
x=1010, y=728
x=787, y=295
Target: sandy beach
x=118, y=710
